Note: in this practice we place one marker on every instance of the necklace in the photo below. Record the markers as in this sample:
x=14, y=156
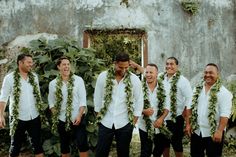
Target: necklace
x=58, y=94
x=16, y=95
x=161, y=101
x=108, y=95
x=211, y=106
x=173, y=94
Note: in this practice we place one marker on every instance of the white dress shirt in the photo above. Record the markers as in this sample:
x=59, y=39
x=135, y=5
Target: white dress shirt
x=79, y=97
x=183, y=96
x=223, y=109
x=117, y=112
x=152, y=97
x=27, y=108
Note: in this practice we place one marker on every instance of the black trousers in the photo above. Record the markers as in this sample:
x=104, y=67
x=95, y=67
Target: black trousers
x=123, y=138
x=147, y=144
x=33, y=127
x=200, y=144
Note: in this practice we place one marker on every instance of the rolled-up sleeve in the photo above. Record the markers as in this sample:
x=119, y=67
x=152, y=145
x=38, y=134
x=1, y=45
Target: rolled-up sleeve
x=82, y=93
x=167, y=101
x=99, y=91
x=138, y=96
x=187, y=93
x=51, y=94
x=6, y=89
x=225, y=103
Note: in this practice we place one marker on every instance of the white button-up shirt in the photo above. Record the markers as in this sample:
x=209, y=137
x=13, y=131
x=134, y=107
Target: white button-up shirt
x=117, y=112
x=152, y=97
x=223, y=109
x=27, y=107
x=183, y=96
x=79, y=97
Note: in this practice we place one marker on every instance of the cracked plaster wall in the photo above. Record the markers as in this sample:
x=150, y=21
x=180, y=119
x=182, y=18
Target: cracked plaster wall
x=209, y=36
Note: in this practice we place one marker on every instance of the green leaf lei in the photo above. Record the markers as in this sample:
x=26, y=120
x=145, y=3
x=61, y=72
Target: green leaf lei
x=108, y=95
x=173, y=94
x=211, y=106
x=161, y=98
x=16, y=94
x=58, y=95
x=149, y=125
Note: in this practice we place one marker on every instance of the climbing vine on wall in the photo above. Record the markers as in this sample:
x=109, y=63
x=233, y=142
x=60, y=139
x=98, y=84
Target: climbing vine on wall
x=190, y=6
x=126, y=2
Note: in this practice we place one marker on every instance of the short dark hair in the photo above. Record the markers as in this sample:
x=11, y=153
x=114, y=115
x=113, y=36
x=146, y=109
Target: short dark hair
x=214, y=65
x=153, y=65
x=61, y=58
x=21, y=57
x=123, y=57
x=175, y=59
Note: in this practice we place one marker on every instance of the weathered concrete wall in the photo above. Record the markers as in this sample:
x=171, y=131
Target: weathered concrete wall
x=209, y=36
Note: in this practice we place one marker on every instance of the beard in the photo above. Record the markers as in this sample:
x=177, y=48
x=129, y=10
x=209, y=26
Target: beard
x=121, y=73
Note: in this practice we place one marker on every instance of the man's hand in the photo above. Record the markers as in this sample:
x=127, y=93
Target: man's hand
x=2, y=121
x=133, y=64
x=188, y=130
x=158, y=123
x=135, y=120
x=77, y=120
x=136, y=66
x=217, y=137
x=148, y=111
x=53, y=110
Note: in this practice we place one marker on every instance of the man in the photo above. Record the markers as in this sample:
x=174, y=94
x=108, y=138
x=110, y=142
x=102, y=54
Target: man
x=118, y=101
x=67, y=101
x=22, y=87
x=155, y=99
x=211, y=108
x=180, y=94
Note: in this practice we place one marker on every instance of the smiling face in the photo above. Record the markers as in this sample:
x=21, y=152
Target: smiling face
x=64, y=67
x=121, y=67
x=26, y=64
x=151, y=74
x=171, y=67
x=211, y=75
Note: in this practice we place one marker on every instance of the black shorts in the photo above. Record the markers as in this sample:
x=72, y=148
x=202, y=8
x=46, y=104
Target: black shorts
x=77, y=133
x=177, y=130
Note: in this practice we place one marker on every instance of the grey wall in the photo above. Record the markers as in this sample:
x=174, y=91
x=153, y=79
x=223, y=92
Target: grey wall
x=209, y=36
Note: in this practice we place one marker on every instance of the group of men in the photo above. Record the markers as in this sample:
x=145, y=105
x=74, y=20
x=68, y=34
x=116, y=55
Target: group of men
x=66, y=98
x=162, y=105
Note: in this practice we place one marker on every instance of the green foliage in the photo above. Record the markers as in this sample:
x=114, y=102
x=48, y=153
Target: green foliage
x=126, y=2
x=190, y=6
x=108, y=43
x=232, y=87
x=230, y=143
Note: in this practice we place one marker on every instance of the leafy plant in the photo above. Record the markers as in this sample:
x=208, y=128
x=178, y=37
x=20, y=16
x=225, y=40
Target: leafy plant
x=190, y=6
x=232, y=87
x=110, y=42
x=230, y=143
x=126, y=2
